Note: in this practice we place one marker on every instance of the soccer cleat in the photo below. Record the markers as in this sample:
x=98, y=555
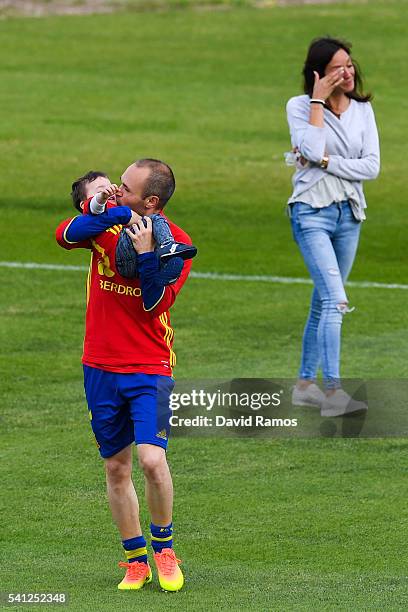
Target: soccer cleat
x=310, y=396
x=170, y=575
x=340, y=403
x=137, y=575
x=176, y=249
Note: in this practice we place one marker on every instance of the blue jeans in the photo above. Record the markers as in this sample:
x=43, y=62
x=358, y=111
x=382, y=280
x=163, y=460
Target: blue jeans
x=161, y=230
x=126, y=256
x=328, y=239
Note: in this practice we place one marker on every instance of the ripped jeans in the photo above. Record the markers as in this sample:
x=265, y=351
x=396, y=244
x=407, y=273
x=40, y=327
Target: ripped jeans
x=328, y=239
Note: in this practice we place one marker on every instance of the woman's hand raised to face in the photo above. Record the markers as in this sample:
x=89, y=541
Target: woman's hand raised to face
x=324, y=87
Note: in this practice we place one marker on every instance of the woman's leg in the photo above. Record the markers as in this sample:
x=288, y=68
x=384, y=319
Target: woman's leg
x=313, y=231
x=309, y=362
x=345, y=240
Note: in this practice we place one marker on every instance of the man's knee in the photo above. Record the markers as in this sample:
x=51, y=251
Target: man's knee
x=118, y=470
x=152, y=460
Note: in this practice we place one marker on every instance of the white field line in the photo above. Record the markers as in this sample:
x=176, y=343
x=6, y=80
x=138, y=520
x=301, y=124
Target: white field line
x=283, y=280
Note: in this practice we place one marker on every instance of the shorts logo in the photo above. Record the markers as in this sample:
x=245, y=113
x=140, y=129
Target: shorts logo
x=162, y=434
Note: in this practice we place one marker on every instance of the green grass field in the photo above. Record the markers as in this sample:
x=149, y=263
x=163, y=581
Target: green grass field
x=260, y=525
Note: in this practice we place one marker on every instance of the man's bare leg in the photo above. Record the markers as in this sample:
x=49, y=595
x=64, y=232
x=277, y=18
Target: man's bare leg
x=159, y=496
x=122, y=496
x=159, y=485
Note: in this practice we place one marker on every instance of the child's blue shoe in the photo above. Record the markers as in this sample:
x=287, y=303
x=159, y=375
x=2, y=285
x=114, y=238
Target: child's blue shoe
x=176, y=249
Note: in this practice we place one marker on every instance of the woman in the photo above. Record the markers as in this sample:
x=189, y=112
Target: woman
x=335, y=139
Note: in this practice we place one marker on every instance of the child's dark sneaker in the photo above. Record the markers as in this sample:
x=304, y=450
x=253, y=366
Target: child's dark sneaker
x=176, y=249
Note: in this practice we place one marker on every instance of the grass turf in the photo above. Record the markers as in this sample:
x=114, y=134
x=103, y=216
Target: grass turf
x=288, y=524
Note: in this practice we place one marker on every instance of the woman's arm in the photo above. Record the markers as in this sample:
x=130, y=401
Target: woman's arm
x=310, y=140
x=366, y=167
x=307, y=124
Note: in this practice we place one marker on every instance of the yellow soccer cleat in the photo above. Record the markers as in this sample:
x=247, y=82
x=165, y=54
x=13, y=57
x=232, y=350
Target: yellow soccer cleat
x=137, y=575
x=170, y=575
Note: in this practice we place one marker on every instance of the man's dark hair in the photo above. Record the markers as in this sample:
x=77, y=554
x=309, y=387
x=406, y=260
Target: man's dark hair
x=320, y=53
x=160, y=182
x=78, y=193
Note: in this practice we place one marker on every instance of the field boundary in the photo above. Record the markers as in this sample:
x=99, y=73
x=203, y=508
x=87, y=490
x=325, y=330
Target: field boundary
x=217, y=276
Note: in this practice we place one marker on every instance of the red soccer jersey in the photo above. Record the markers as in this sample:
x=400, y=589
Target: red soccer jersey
x=120, y=335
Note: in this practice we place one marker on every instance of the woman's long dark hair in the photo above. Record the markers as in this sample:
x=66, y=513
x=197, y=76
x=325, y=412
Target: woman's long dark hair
x=320, y=54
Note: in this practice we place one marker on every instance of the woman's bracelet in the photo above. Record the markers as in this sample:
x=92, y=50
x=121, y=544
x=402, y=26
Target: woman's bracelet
x=317, y=101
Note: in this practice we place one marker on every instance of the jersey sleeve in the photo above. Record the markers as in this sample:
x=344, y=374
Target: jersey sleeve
x=60, y=235
x=87, y=206
x=171, y=291
x=80, y=229
x=161, y=298
x=158, y=297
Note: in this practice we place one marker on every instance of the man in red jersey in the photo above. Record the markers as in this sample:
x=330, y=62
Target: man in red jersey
x=128, y=360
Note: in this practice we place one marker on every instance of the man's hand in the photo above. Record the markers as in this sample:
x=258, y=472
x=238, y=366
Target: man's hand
x=108, y=192
x=141, y=236
x=135, y=218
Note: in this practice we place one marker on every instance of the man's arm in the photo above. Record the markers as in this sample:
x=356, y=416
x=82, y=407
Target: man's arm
x=156, y=294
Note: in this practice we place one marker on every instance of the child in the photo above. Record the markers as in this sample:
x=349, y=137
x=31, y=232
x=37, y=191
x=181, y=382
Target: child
x=96, y=185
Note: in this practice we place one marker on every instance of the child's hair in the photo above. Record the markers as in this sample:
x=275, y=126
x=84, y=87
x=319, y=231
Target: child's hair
x=78, y=193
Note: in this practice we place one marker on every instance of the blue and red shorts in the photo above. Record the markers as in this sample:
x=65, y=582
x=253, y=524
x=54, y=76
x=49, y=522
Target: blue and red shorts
x=127, y=408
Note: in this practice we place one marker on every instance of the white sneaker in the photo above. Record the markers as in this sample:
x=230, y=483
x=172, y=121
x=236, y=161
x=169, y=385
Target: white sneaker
x=311, y=396
x=341, y=403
